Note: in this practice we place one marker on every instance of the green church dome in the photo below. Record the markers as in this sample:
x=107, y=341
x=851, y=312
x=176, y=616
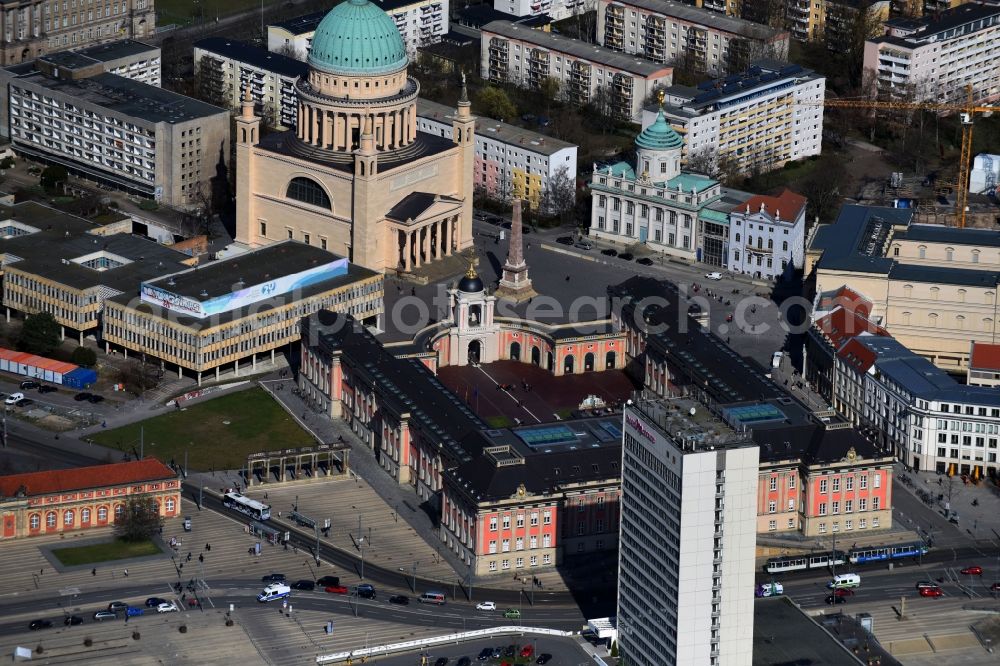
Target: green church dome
x=356, y=38
x=659, y=136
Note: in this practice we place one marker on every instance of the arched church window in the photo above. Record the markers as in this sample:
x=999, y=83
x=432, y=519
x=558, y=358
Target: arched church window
x=308, y=191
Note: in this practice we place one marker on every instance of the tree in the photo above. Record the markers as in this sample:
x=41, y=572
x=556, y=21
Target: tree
x=139, y=520
x=822, y=189
x=704, y=160
x=53, y=176
x=549, y=89
x=40, y=334
x=84, y=356
x=495, y=103
x=137, y=376
x=599, y=110
x=559, y=195
x=859, y=25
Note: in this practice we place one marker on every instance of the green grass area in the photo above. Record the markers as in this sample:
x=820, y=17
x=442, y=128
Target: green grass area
x=105, y=552
x=499, y=422
x=183, y=12
x=217, y=433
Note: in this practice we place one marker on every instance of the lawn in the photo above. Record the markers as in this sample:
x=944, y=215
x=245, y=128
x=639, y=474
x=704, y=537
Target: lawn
x=105, y=552
x=218, y=433
x=183, y=12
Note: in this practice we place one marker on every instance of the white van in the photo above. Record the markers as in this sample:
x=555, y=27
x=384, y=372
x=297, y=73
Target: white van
x=844, y=580
x=776, y=359
x=272, y=592
x=432, y=598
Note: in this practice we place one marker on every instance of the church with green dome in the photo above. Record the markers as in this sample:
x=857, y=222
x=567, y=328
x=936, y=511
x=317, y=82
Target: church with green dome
x=655, y=203
x=356, y=177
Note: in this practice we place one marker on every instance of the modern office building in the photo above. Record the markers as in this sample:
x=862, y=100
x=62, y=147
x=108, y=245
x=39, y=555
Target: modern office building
x=935, y=57
x=653, y=202
x=932, y=287
x=767, y=235
x=511, y=162
x=356, y=175
x=663, y=31
x=64, y=501
x=770, y=114
x=420, y=23
x=64, y=109
x=688, y=537
x=514, y=53
x=32, y=28
x=128, y=58
x=226, y=68
x=233, y=310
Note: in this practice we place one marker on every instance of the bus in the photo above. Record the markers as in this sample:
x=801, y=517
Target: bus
x=821, y=560
x=882, y=553
x=251, y=507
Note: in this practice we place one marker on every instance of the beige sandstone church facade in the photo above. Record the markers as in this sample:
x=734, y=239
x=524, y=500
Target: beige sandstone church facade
x=356, y=177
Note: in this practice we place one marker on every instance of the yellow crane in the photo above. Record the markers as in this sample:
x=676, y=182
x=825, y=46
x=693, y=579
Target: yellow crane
x=966, y=111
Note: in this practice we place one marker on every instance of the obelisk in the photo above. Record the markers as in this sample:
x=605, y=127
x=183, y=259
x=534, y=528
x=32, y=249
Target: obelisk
x=515, y=285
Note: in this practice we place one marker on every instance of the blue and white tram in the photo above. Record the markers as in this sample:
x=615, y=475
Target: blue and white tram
x=882, y=553
x=823, y=560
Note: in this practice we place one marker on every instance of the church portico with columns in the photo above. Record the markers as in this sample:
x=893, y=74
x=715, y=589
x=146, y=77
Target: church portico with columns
x=356, y=177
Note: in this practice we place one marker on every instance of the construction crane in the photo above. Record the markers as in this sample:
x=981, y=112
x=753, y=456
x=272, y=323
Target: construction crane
x=967, y=113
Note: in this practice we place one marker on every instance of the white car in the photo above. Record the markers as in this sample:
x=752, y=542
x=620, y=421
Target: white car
x=714, y=275
x=13, y=397
x=486, y=605
x=167, y=607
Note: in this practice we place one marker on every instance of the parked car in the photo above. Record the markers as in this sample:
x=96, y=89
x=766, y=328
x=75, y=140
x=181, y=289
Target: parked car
x=47, y=388
x=645, y=261
x=974, y=570
x=400, y=599
x=527, y=651
x=337, y=589
x=304, y=585
x=273, y=578
x=13, y=398
x=565, y=240
x=40, y=624
x=80, y=397
x=485, y=653
x=117, y=606
x=187, y=523
x=834, y=599
x=24, y=402
x=544, y=658
x=610, y=252
x=328, y=581
x=626, y=256
x=73, y=620
x=153, y=602
x=29, y=384
x=94, y=398
x=714, y=275
x=486, y=606
x=102, y=615
x=584, y=244
x=167, y=607
x=512, y=614
x=464, y=661
x=931, y=592
x=995, y=587
x=497, y=653
x=510, y=651
x=441, y=661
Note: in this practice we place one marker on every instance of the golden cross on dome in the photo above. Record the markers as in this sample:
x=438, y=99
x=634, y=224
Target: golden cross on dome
x=660, y=96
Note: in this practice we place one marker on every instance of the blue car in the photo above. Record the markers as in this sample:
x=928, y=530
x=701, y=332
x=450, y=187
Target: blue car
x=132, y=611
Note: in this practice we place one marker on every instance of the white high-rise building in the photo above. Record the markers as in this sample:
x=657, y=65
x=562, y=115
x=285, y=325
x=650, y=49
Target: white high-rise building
x=688, y=538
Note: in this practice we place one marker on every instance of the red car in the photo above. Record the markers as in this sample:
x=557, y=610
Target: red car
x=843, y=592
x=995, y=587
x=527, y=650
x=931, y=592
x=974, y=570
x=337, y=589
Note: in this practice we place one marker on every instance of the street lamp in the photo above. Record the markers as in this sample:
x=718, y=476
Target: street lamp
x=361, y=549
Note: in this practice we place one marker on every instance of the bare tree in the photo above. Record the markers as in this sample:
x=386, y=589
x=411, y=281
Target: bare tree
x=705, y=161
x=559, y=195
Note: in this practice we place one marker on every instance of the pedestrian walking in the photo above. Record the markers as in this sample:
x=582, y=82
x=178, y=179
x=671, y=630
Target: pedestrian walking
x=201, y=558
x=93, y=572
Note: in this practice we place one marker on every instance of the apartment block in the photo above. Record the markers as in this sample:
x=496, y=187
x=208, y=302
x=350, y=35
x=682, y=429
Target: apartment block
x=687, y=544
x=520, y=55
x=768, y=236
x=936, y=57
x=669, y=32
x=225, y=68
x=830, y=21
x=757, y=121
x=32, y=28
x=918, y=8
x=128, y=58
x=510, y=162
x=420, y=23
x=556, y=9
x=135, y=137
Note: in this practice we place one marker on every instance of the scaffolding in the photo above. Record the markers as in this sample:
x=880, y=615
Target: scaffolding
x=499, y=58
x=614, y=28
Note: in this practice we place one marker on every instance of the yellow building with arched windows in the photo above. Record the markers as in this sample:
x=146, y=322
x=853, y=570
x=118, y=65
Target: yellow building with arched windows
x=356, y=177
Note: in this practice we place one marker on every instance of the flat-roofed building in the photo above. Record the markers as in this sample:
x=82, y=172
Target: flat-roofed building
x=706, y=41
x=513, y=53
x=128, y=58
x=236, y=309
x=65, y=109
x=511, y=162
x=227, y=68
x=757, y=121
x=557, y=9
x=935, y=57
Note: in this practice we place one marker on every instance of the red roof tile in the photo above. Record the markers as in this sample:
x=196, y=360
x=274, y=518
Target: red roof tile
x=842, y=324
x=857, y=355
x=985, y=356
x=788, y=204
x=848, y=299
x=81, y=478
